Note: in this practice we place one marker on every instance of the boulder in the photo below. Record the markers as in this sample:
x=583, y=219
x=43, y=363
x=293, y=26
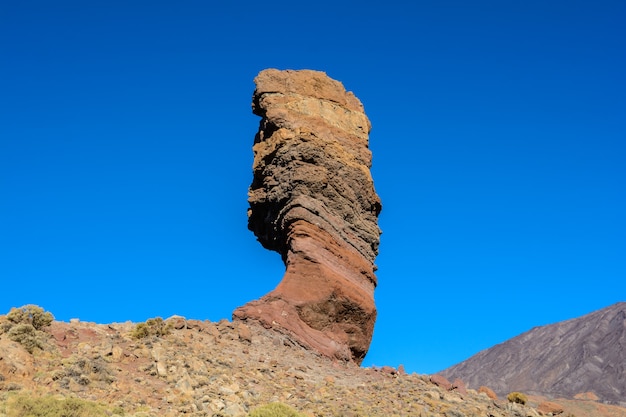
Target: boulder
x=459, y=386
x=441, y=382
x=550, y=408
x=176, y=322
x=488, y=392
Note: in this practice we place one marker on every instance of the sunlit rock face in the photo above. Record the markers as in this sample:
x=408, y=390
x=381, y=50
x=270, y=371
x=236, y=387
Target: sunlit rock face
x=312, y=199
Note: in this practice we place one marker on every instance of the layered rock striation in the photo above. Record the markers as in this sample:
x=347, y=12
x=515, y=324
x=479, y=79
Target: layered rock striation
x=312, y=199
x=584, y=357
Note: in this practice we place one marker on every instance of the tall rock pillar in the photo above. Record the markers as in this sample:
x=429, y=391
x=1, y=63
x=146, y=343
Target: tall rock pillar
x=312, y=199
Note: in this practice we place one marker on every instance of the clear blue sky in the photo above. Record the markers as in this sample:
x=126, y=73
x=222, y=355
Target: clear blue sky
x=499, y=143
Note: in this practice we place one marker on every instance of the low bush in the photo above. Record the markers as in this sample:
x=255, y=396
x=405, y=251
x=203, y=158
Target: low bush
x=84, y=371
x=27, y=336
x=25, y=405
x=275, y=410
x=517, y=397
x=30, y=314
x=25, y=325
x=152, y=327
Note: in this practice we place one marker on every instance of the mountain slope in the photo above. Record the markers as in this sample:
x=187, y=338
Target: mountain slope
x=585, y=354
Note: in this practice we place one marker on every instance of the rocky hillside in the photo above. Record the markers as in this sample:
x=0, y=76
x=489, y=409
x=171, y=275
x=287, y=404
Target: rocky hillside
x=583, y=357
x=201, y=368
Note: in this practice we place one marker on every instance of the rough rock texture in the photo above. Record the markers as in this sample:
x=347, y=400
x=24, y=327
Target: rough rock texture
x=582, y=355
x=550, y=408
x=441, y=381
x=202, y=368
x=488, y=392
x=312, y=200
x=459, y=386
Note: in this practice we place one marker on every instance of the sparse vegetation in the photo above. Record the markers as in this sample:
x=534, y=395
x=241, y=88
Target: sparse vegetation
x=152, y=327
x=24, y=325
x=84, y=371
x=27, y=336
x=517, y=397
x=28, y=314
x=206, y=370
x=31, y=314
x=275, y=410
x=27, y=405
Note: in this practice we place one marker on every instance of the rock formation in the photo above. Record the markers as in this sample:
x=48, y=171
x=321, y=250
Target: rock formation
x=583, y=357
x=312, y=199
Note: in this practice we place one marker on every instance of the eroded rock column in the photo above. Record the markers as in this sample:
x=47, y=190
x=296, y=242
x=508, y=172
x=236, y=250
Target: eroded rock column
x=312, y=200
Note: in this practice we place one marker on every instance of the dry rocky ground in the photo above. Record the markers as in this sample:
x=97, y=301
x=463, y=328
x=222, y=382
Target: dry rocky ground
x=202, y=368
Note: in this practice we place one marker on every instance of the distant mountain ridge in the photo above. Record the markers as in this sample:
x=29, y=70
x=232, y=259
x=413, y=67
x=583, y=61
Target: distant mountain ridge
x=581, y=355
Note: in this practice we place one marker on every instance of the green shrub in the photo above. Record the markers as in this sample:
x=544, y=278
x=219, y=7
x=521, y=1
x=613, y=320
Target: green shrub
x=30, y=314
x=27, y=336
x=275, y=410
x=517, y=397
x=152, y=327
x=25, y=405
x=24, y=325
